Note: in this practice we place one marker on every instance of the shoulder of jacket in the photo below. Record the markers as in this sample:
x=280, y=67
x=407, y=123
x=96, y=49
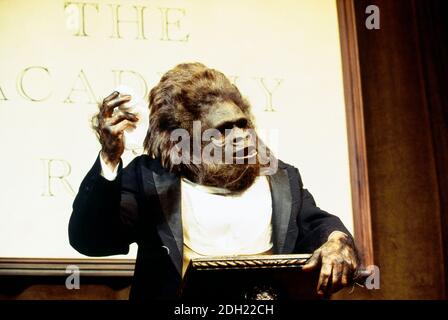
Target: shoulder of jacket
x=292, y=171
x=144, y=160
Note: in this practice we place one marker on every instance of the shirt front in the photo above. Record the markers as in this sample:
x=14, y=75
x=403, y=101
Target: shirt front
x=216, y=223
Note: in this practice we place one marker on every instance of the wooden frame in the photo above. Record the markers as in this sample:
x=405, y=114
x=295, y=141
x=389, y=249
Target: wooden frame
x=355, y=130
x=357, y=160
x=248, y=262
x=59, y=267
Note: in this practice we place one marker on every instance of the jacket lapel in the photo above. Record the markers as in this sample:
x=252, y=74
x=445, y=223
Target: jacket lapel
x=170, y=229
x=282, y=207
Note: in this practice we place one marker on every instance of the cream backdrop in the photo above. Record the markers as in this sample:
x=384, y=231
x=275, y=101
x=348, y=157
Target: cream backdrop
x=58, y=57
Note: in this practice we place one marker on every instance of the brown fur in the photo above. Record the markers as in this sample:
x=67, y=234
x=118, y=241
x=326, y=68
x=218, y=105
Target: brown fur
x=182, y=96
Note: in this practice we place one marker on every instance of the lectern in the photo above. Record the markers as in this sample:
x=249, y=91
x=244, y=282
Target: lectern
x=253, y=277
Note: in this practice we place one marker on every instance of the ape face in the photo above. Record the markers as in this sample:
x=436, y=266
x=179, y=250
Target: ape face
x=232, y=133
x=219, y=141
x=229, y=158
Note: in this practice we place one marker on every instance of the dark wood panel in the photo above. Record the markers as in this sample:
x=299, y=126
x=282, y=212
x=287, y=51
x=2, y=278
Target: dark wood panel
x=403, y=180
x=401, y=70
x=432, y=36
x=355, y=131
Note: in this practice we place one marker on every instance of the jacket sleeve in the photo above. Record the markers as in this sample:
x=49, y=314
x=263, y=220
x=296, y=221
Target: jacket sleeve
x=105, y=212
x=315, y=225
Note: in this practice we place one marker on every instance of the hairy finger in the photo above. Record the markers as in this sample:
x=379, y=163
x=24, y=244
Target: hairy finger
x=120, y=117
x=313, y=262
x=345, y=275
x=113, y=95
x=336, y=280
x=108, y=107
x=325, y=274
x=121, y=126
x=354, y=261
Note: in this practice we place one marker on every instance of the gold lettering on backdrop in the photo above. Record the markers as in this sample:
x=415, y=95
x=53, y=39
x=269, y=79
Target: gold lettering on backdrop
x=116, y=21
x=59, y=170
x=82, y=91
x=21, y=87
x=269, y=86
x=86, y=89
x=171, y=19
x=122, y=75
x=76, y=16
x=2, y=95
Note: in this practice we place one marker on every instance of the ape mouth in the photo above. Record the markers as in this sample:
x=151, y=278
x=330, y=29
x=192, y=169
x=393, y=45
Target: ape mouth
x=245, y=153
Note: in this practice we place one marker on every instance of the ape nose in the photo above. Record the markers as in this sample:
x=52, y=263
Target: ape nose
x=239, y=136
x=238, y=140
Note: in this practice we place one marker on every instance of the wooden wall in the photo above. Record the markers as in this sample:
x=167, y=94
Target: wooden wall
x=403, y=75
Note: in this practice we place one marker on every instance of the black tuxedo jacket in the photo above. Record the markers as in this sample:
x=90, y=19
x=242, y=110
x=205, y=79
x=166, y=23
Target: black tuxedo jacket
x=142, y=205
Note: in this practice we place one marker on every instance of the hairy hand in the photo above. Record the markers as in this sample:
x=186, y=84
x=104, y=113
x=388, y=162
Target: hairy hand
x=110, y=127
x=338, y=260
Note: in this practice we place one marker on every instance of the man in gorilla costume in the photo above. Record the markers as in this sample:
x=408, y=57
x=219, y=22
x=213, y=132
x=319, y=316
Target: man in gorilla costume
x=176, y=210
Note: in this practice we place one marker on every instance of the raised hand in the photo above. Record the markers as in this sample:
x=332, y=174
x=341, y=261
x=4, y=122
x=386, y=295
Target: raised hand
x=110, y=126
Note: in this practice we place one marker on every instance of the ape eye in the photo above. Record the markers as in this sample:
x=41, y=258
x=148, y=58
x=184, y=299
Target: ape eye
x=242, y=123
x=225, y=126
